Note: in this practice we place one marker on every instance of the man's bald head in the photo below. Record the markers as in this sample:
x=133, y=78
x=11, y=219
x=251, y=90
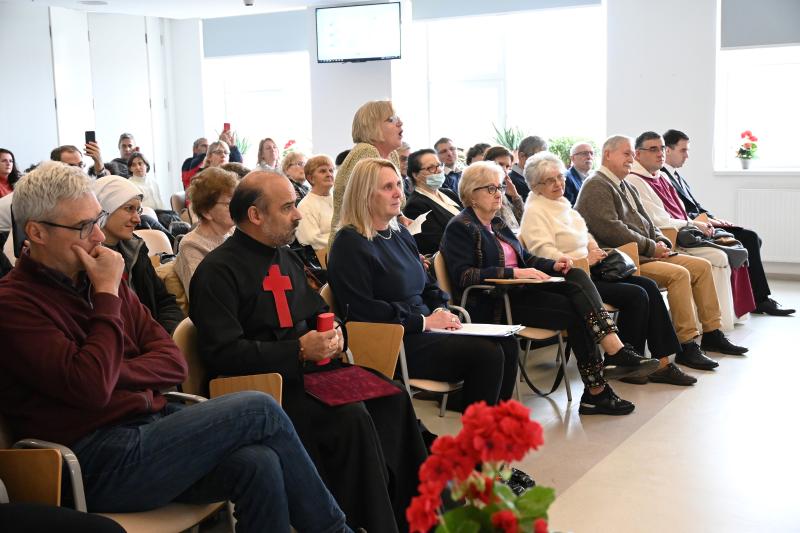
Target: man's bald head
x=263, y=207
x=254, y=190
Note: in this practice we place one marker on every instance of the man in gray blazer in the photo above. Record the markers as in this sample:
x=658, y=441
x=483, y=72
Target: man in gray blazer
x=615, y=216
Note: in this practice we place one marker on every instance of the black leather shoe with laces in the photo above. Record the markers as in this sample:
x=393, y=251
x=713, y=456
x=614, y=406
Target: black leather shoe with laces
x=771, y=307
x=627, y=363
x=672, y=375
x=604, y=403
x=692, y=356
x=715, y=341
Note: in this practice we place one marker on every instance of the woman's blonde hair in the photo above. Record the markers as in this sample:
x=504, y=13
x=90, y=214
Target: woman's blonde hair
x=474, y=175
x=314, y=163
x=216, y=145
x=368, y=120
x=357, y=202
x=290, y=159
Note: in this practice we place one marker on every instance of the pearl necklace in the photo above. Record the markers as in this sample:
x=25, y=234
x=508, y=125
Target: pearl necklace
x=378, y=233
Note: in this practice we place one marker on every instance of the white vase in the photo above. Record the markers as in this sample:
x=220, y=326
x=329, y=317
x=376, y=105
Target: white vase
x=745, y=163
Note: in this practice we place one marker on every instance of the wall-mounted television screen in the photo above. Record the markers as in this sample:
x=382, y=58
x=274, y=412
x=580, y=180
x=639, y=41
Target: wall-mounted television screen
x=366, y=32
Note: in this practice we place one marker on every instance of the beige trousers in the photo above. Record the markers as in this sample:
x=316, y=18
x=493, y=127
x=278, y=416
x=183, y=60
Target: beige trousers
x=689, y=284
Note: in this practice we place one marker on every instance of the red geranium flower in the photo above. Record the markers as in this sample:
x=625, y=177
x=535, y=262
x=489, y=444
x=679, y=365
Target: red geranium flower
x=747, y=146
x=421, y=514
x=753, y=138
x=540, y=526
x=505, y=520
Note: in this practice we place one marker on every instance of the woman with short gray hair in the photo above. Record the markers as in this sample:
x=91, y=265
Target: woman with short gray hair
x=551, y=228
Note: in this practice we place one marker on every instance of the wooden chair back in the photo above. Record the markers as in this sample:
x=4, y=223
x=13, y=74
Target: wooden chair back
x=327, y=294
x=185, y=336
x=631, y=249
x=442, y=276
x=32, y=476
x=322, y=257
x=702, y=217
x=271, y=384
x=671, y=234
x=375, y=345
x=173, y=284
x=582, y=263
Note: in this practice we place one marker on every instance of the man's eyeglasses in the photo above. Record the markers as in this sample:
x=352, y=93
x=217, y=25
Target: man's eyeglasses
x=491, y=189
x=585, y=153
x=654, y=149
x=130, y=210
x=84, y=228
x=433, y=168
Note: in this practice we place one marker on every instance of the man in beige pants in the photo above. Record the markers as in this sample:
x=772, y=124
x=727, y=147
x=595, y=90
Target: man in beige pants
x=615, y=216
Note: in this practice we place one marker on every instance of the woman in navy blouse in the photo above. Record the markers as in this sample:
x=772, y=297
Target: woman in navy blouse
x=376, y=275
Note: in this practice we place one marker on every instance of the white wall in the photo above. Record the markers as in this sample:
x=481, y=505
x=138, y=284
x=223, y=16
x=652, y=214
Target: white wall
x=28, y=125
x=337, y=91
x=661, y=75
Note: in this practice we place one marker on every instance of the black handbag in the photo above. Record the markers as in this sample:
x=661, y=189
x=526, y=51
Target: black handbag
x=616, y=266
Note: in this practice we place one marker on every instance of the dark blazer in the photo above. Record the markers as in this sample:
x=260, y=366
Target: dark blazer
x=693, y=207
x=451, y=181
x=519, y=182
x=572, y=186
x=473, y=254
x=432, y=229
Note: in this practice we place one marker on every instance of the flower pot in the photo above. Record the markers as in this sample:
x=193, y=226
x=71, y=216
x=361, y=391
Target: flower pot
x=745, y=163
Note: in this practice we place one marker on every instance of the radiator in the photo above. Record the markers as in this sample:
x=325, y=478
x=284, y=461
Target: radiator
x=774, y=215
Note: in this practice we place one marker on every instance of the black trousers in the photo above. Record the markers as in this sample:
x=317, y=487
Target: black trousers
x=643, y=317
x=758, y=278
x=487, y=365
x=574, y=305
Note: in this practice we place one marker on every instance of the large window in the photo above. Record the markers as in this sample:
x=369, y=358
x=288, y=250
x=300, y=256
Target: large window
x=264, y=95
x=757, y=91
x=541, y=71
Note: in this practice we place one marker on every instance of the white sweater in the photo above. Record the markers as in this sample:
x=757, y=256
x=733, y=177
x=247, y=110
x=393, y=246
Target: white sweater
x=149, y=188
x=315, y=227
x=552, y=228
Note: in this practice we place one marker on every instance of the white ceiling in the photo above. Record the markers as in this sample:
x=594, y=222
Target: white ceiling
x=181, y=9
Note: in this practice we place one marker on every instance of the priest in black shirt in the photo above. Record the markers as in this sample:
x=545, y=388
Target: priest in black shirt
x=255, y=312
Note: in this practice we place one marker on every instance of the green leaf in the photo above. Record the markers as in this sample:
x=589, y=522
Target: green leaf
x=535, y=502
x=467, y=519
x=504, y=493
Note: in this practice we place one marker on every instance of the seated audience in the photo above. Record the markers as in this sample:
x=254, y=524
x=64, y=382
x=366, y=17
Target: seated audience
x=527, y=148
x=677, y=144
x=122, y=202
x=70, y=155
x=662, y=205
x=200, y=146
x=551, y=229
x=440, y=204
x=255, y=312
x=448, y=154
x=293, y=167
x=377, y=132
x=513, y=205
x=139, y=167
x=217, y=155
x=87, y=367
x=210, y=192
x=317, y=207
x=268, y=155
x=402, y=154
x=9, y=173
x=376, y=274
x=614, y=216
x=199, y=161
x=581, y=156
x=117, y=166
x=478, y=245
x=475, y=153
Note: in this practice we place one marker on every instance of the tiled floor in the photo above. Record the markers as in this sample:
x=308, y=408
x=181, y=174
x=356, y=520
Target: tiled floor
x=719, y=456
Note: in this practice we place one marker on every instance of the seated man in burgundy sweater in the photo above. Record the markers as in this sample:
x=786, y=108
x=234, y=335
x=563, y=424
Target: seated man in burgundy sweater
x=82, y=365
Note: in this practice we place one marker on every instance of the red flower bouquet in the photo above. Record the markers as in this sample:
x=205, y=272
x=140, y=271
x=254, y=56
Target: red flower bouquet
x=288, y=147
x=747, y=150
x=491, y=437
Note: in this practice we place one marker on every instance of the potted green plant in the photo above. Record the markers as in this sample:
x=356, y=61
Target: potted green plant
x=747, y=149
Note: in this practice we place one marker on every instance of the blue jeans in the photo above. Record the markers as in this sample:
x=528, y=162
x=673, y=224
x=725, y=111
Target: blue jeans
x=240, y=447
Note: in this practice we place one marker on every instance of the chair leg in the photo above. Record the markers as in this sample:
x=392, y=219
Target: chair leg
x=563, y=358
x=443, y=405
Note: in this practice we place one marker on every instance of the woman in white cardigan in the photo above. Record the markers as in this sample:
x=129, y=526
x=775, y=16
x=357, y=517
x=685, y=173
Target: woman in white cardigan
x=551, y=228
x=317, y=206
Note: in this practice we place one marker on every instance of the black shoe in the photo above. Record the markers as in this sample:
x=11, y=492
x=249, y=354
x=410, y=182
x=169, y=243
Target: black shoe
x=771, y=307
x=692, y=356
x=604, y=403
x=672, y=375
x=715, y=341
x=627, y=363
x=519, y=481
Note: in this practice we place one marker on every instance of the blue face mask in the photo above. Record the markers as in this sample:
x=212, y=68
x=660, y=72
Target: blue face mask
x=434, y=181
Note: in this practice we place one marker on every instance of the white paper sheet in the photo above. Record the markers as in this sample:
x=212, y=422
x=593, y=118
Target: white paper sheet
x=482, y=330
x=416, y=226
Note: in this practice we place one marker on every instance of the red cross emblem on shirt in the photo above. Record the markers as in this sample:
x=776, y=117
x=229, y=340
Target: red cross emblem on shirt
x=277, y=283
